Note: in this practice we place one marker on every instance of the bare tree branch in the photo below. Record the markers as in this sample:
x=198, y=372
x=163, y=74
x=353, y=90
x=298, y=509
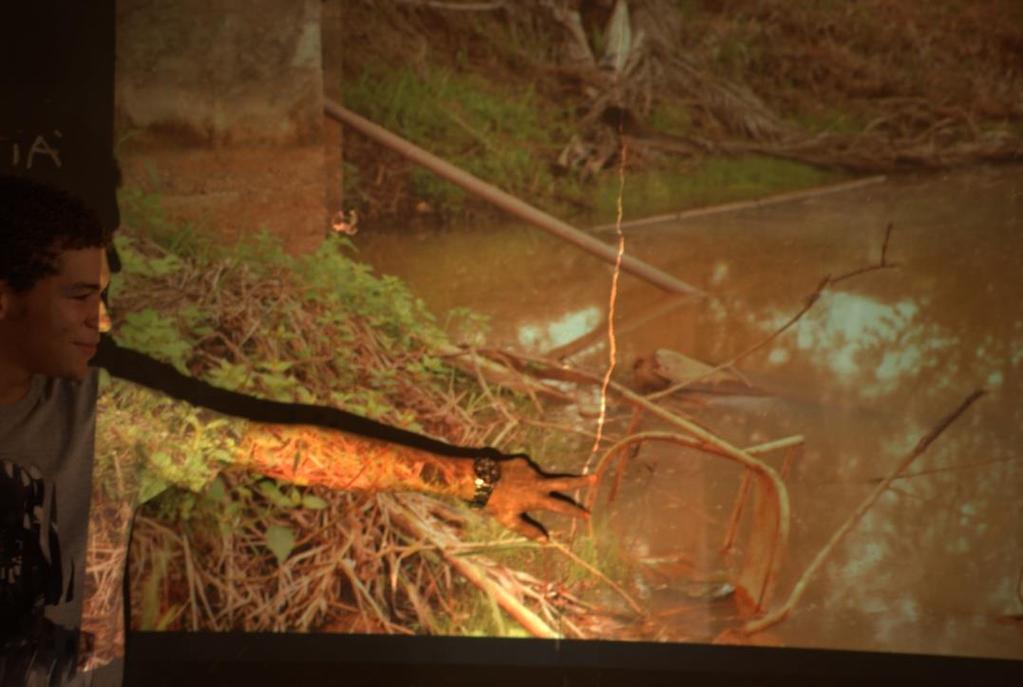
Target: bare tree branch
x=782, y=612
x=810, y=301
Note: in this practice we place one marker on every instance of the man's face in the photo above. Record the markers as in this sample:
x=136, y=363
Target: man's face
x=53, y=328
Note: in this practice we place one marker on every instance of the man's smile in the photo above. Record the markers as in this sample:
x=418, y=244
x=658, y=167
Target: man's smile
x=89, y=348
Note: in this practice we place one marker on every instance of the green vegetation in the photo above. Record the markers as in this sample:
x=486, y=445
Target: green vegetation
x=715, y=91
x=716, y=180
x=507, y=139
x=830, y=120
x=667, y=119
x=505, y=122
x=502, y=132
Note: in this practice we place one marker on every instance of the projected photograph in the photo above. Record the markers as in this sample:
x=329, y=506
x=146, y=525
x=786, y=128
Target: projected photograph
x=685, y=322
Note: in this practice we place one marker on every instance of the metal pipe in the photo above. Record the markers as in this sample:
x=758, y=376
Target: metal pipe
x=508, y=202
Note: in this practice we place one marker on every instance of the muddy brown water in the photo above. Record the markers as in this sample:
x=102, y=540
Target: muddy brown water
x=935, y=566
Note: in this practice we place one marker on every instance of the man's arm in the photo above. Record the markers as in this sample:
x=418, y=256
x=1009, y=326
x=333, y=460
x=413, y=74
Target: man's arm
x=310, y=455
x=289, y=443
x=141, y=369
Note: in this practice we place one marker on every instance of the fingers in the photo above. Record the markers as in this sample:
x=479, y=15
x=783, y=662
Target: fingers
x=524, y=487
x=569, y=483
x=527, y=527
x=565, y=506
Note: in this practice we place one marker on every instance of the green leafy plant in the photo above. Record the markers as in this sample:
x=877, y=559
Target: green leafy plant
x=281, y=541
x=499, y=131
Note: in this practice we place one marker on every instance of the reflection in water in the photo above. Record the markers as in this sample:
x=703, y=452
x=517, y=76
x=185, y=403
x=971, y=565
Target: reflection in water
x=869, y=370
x=543, y=336
x=852, y=334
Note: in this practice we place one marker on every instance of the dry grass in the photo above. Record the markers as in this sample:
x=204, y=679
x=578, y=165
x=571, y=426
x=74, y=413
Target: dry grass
x=382, y=563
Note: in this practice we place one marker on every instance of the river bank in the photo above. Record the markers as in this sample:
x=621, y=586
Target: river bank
x=720, y=101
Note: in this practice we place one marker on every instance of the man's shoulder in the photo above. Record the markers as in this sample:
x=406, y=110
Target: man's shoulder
x=71, y=397
x=64, y=388
x=50, y=397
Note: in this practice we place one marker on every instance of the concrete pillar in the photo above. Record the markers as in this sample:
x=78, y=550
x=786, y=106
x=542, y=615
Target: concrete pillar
x=219, y=109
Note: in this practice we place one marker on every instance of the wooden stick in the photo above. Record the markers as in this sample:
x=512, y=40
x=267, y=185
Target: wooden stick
x=757, y=450
x=807, y=304
x=475, y=574
x=740, y=500
x=507, y=202
x=498, y=373
x=810, y=301
x=637, y=415
x=767, y=480
x=596, y=337
x=786, y=197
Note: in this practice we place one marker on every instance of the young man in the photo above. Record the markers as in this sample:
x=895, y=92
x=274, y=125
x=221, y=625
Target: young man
x=50, y=271
x=52, y=274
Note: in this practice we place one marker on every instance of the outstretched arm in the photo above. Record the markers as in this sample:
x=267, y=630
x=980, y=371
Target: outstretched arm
x=141, y=369
x=310, y=455
x=293, y=442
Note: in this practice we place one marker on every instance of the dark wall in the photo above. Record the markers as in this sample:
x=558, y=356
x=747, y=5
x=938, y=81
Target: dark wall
x=57, y=81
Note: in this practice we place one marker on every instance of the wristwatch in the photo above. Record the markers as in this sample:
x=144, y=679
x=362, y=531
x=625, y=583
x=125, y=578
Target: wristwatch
x=488, y=474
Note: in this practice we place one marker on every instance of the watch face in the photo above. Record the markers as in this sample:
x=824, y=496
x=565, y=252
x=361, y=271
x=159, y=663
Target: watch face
x=488, y=472
x=488, y=469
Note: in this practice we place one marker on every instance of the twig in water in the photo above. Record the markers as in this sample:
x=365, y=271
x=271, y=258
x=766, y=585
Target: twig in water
x=774, y=506
x=811, y=300
x=884, y=246
x=783, y=611
x=883, y=265
x=950, y=468
x=771, y=519
x=637, y=415
x=809, y=303
x=733, y=523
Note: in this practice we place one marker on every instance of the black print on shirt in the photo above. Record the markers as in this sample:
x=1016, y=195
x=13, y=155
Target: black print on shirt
x=31, y=572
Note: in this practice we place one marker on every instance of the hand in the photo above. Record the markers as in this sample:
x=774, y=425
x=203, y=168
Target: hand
x=524, y=487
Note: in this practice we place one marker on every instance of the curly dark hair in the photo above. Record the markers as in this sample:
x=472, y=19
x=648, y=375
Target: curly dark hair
x=37, y=223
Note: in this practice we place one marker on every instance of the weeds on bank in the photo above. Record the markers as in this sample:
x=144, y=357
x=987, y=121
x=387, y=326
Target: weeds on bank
x=876, y=87
x=500, y=132
x=713, y=181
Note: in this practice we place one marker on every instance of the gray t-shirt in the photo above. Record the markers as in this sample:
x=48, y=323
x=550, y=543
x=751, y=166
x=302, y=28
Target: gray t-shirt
x=46, y=456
